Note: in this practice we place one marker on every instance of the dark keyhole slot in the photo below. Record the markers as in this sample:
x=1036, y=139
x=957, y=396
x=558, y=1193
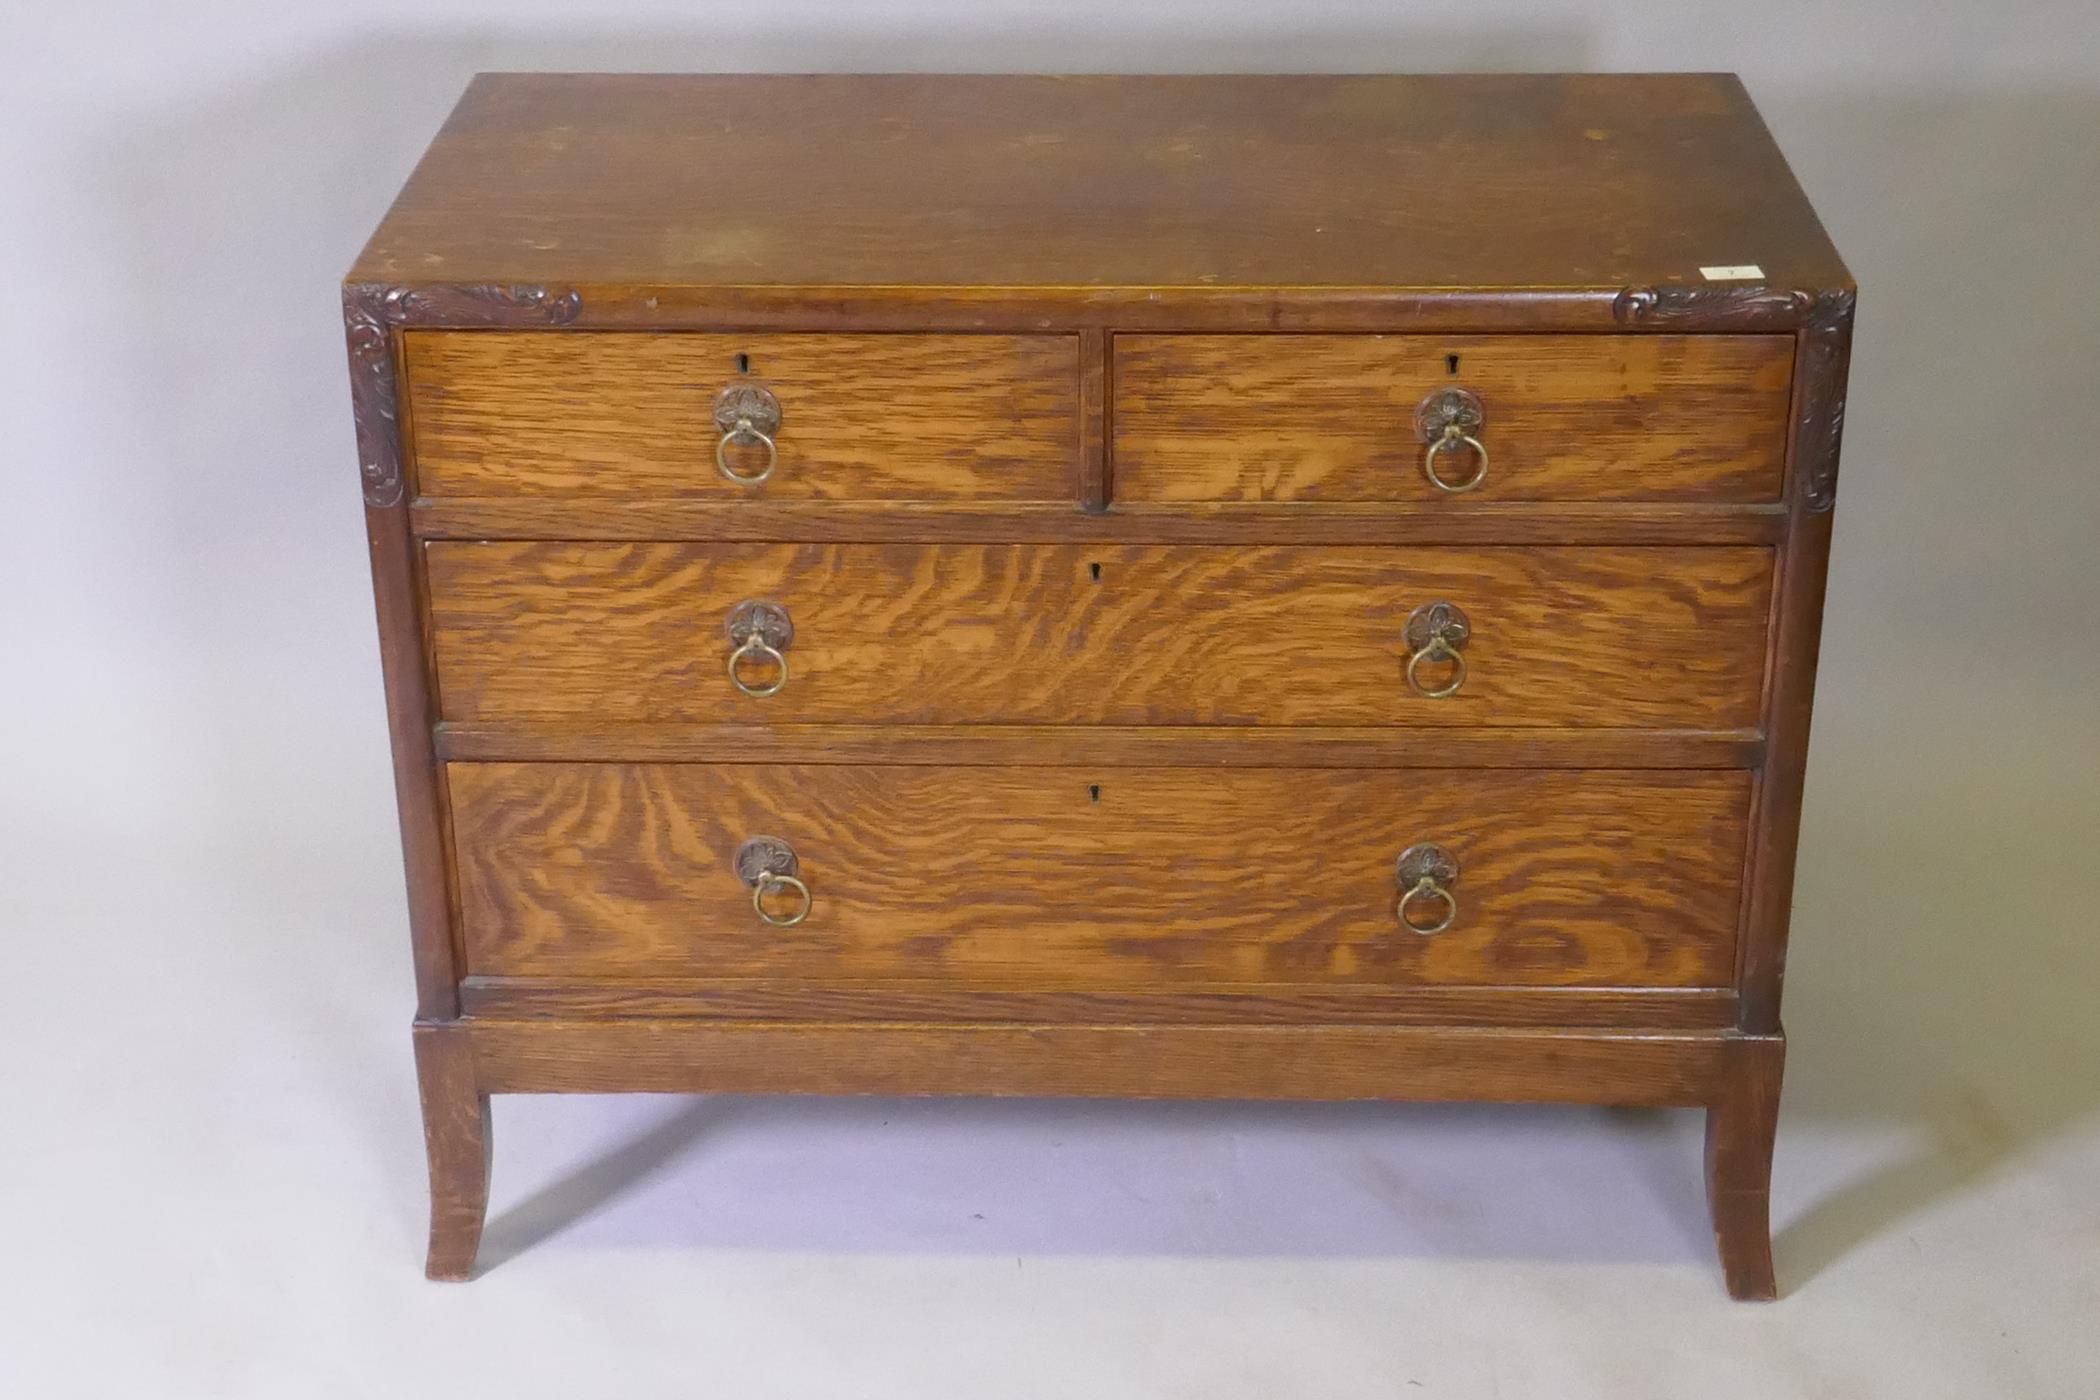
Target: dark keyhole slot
x=743, y=364
x=1095, y=570
x=1451, y=364
x=1093, y=792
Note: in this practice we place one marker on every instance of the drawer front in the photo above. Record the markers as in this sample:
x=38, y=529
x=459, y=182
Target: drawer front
x=1333, y=417
x=860, y=417
x=1136, y=635
x=1051, y=878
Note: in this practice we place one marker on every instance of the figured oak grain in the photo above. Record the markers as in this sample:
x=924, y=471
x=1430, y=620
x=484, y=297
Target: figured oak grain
x=1567, y=418
x=1112, y=634
x=863, y=417
x=1099, y=877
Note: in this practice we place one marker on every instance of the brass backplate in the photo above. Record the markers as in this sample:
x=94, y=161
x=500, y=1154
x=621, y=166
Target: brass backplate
x=750, y=404
x=770, y=620
x=1425, y=859
x=1449, y=408
x=1433, y=620
x=765, y=855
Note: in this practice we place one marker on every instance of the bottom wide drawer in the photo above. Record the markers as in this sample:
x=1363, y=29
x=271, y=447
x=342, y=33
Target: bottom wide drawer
x=1118, y=879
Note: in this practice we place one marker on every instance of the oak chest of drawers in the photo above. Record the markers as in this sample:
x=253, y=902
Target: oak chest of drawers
x=1299, y=587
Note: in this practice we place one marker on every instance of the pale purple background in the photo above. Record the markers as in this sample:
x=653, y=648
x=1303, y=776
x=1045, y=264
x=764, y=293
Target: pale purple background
x=212, y=1166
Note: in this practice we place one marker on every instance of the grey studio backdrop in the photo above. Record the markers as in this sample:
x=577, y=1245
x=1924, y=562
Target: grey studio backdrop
x=210, y=1154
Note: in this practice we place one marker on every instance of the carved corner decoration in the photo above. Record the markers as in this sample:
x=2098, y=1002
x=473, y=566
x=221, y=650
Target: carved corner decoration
x=372, y=393
x=1720, y=307
x=372, y=310
x=1823, y=320
x=1821, y=371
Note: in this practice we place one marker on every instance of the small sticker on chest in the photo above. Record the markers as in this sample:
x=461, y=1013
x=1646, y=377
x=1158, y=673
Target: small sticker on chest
x=1734, y=272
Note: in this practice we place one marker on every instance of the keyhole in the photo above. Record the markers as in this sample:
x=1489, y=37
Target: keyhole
x=743, y=364
x=1451, y=364
x=1093, y=792
x=1095, y=570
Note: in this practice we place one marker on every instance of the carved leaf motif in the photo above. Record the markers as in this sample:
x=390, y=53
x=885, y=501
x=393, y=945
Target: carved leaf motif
x=1426, y=859
x=371, y=310
x=765, y=855
x=748, y=404
x=1447, y=408
x=1820, y=433
x=481, y=306
x=1750, y=307
x=1437, y=620
x=1825, y=322
x=372, y=396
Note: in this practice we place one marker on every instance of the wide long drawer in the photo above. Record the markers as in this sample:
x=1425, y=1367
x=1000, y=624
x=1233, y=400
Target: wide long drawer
x=1047, y=878
x=1534, y=418
x=1070, y=634
x=805, y=417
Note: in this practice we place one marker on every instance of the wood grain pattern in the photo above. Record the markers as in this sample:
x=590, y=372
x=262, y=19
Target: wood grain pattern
x=456, y=1139
x=1158, y=746
x=398, y=596
x=1331, y=418
x=1826, y=349
x=1090, y=484
x=1083, y=878
x=1190, y=522
x=1070, y=186
x=1740, y=1126
x=863, y=417
x=1219, y=1062
x=1286, y=1003
x=372, y=316
x=1030, y=634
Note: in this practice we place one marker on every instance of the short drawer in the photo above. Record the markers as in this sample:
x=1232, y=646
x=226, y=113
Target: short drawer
x=1128, y=635
x=1049, y=878
x=645, y=415
x=1554, y=417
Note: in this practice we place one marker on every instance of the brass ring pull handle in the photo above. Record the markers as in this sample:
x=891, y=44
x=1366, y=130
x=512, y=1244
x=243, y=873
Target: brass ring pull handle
x=747, y=415
x=1437, y=650
x=768, y=865
x=1450, y=438
x=766, y=885
x=1426, y=873
x=1449, y=420
x=1426, y=888
x=756, y=647
x=1437, y=633
x=761, y=632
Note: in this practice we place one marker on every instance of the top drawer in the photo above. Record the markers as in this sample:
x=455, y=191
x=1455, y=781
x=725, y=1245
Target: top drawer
x=607, y=414
x=1560, y=417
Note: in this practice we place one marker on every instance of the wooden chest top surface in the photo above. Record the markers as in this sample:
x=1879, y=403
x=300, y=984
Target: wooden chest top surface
x=1046, y=183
